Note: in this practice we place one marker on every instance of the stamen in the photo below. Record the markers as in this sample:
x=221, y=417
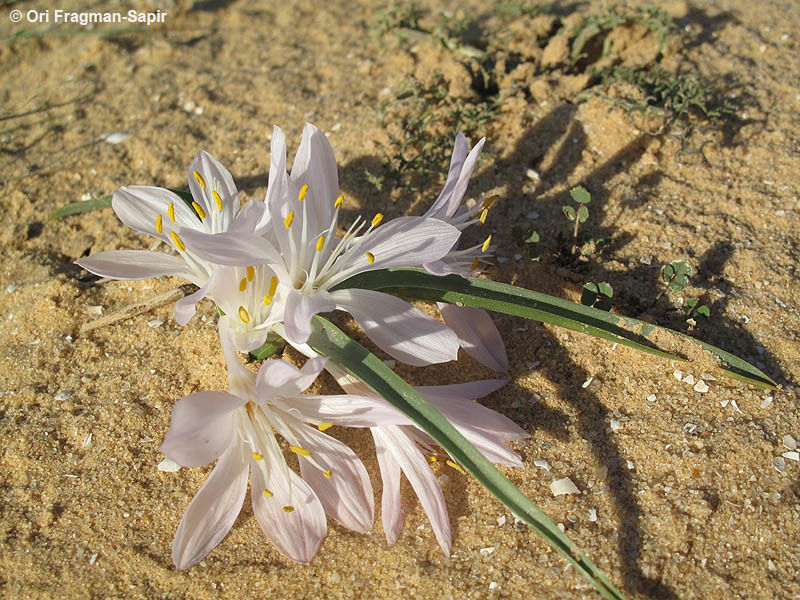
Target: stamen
x=257, y=456
x=299, y=450
x=178, y=242
x=273, y=286
x=288, y=509
x=268, y=494
x=320, y=243
x=456, y=466
x=287, y=222
x=199, y=210
x=243, y=284
x=303, y=191
x=489, y=202
x=432, y=459
x=324, y=426
x=486, y=244
x=171, y=212
x=267, y=300
x=338, y=202
x=483, y=215
x=159, y=226
x=370, y=257
x=251, y=272
x=244, y=315
x=327, y=473
x=376, y=220
x=215, y=193
x=474, y=263
x=200, y=179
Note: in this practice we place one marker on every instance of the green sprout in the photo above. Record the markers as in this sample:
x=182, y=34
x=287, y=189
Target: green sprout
x=690, y=307
x=582, y=197
x=527, y=241
x=597, y=295
x=676, y=277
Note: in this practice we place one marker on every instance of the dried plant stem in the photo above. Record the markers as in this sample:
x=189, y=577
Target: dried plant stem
x=138, y=308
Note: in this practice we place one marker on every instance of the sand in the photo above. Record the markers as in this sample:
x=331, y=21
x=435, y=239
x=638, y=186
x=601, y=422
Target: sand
x=678, y=494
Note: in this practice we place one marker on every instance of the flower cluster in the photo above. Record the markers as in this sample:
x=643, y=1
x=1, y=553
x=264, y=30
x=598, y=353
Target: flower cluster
x=270, y=267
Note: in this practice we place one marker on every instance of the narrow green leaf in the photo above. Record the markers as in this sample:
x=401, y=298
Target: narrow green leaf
x=273, y=345
x=512, y=300
x=328, y=340
x=83, y=206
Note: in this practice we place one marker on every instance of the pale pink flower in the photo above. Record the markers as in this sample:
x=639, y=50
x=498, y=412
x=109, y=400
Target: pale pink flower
x=240, y=428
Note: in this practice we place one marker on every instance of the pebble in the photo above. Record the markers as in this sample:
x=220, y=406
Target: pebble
x=116, y=137
x=563, y=486
x=766, y=402
x=701, y=387
x=532, y=174
x=532, y=215
x=789, y=442
x=542, y=464
x=779, y=463
x=651, y=398
x=168, y=466
x=593, y=515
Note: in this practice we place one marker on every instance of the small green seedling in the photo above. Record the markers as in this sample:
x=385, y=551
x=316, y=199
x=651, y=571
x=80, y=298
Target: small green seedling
x=582, y=197
x=690, y=307
x=676, y=277
x=597, y=295
x=527, y=241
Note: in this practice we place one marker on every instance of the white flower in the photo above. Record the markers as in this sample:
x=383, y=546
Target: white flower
x=240, y=428
x=164, y=215
x=299, y=244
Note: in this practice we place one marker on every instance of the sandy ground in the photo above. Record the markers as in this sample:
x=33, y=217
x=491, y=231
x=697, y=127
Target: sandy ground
x=688, y=501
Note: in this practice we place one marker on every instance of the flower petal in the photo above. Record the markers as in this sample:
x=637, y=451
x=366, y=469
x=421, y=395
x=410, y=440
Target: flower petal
x=213, y=510
x=477, y=334
x=280, y=379
x=346, y=410
x=216, y=178
x=399, y=329
x=298, y=312
x=201, y=428
x=139, y=206
x=288, y=510
x=232, y=248
x=135, y=264
x=343, y=487
x=419, y=474
x=185, y=307
x=315, y=165
x=392, y=514
x=460, y=149
x=460, y=187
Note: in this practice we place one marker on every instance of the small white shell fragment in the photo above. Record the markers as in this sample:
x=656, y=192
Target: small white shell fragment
x=531, y=174
x=587, y=382
x=736, y=406
x=12, y=287
x=493, y=585
x=501, y=520
x=630, y=465
x=614, y=424
x=651, y=398
x=563, y=486
x=701, y=387
x=766, y=402
x=793, y=455
x=724, y=403
x=155, y=322
x=93, y=558
x=779, y=463
x=488, y=550
x=677, y=374
x=593, y=515
x=168, y=466
x=87, y=441
x=94, y=309
x=789, y=442
x=708, y=377
x=542, y=464
x=63, y=395
x=689, y=379
x=116, y=137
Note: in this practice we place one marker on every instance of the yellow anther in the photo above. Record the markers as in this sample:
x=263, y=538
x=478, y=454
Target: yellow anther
x=489, y=202
x=244, y=315
x=243, y=284
x=199, y=210
x=475, y=263
x=216, y=195
x=159, y=226
x=199, y=179
x=376, y=220
x=432, y=459
x=320, y=243
x=303, y=191
x=287, y=222
x=324, y=426
x=338, y=202
x=483, y=215
x=267, y=300
x=178, y=242
x=486, y=244
x=273, y=286
x=171, y=212
x=370, y=257
x=299, y=450
x=327, y=473
x=251, y=272
x=267, y=493
x=456, y=466
x=288, y=509
x=257, y=456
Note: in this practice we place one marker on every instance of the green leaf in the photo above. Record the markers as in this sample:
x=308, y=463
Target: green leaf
x=570, y=212
x=580, y=195
x=605, y=289
x=83, y=206
x=512, y=300
x=667, y=272
x=328, y=340
x=533, y=238
x=583, y=213
x=272, y=346
x=703, y=310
